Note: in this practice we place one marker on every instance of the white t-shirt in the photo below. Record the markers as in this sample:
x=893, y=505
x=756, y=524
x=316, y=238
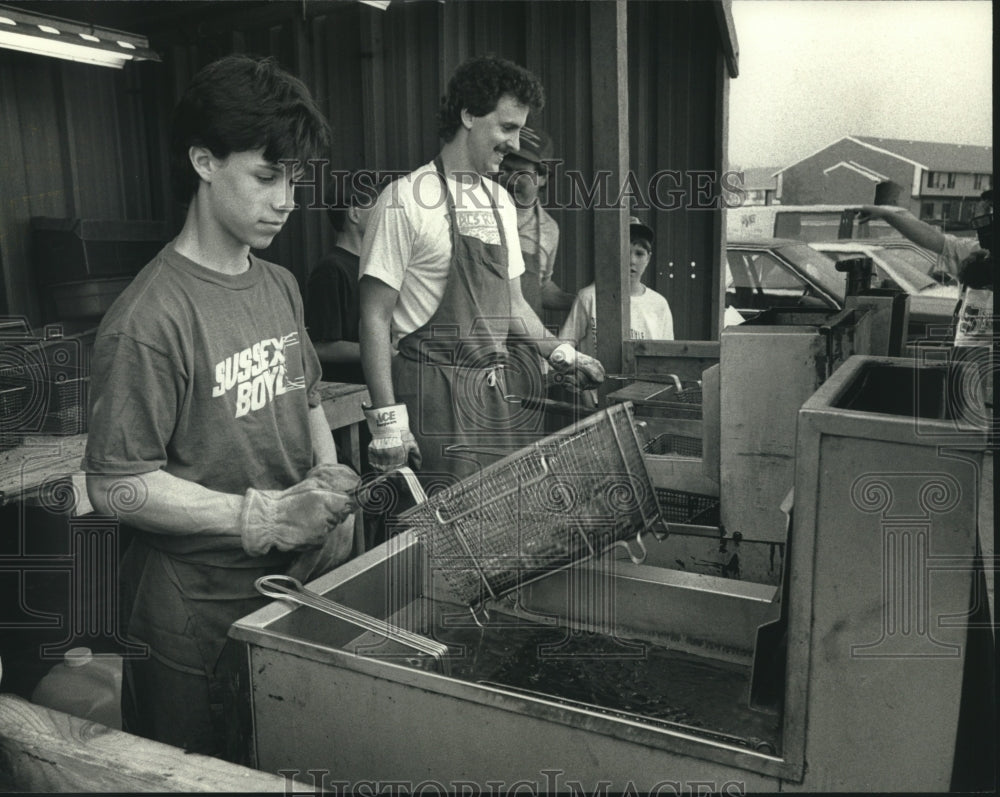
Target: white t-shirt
x=975, y=313
x=407, y=243
x=651, y=319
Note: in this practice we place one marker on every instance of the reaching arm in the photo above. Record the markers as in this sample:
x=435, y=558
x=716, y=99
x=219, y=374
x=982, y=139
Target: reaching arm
x=377, y=302
x=535, y=331
x=900, y=219
x=560, y=353
x=161, y=502
x=324, y=449
x=392, y=442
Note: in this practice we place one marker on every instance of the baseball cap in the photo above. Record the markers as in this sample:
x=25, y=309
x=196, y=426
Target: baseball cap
x=637, y=228
x=536, y=145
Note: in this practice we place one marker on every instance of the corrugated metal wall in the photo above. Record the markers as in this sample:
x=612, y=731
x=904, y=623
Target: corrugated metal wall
x=379, y=75
x=71, y=143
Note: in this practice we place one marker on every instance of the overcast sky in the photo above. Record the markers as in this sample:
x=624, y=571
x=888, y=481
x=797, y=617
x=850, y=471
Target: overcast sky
x=812, y=71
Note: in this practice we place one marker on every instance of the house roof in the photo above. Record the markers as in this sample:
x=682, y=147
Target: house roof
x=759, y=177
x=936, y=155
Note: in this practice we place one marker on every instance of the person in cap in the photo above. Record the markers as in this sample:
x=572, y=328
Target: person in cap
x=441, y=290
x=206, y=435
x=524, y=174
x=649, y=313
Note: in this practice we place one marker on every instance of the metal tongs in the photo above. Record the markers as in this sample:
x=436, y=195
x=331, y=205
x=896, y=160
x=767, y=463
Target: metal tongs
x=283, y=587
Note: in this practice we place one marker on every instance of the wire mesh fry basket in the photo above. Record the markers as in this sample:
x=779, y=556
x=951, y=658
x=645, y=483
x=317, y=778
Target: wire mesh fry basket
x=684, y=402
x=542, y=508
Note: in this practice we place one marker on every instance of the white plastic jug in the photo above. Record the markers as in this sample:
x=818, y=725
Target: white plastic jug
x=84, y=685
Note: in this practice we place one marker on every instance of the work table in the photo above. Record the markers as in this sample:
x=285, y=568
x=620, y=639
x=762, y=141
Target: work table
x=39, y=467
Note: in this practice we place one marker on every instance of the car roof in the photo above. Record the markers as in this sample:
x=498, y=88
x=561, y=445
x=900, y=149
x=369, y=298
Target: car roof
x=763, y=243
x=853, y=243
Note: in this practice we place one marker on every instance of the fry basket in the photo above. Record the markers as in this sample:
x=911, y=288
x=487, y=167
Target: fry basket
x=553, y=503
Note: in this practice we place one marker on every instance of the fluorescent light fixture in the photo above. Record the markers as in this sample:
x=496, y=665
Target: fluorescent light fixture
x=62, y=38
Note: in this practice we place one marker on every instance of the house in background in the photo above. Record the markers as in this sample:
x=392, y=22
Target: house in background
x=759, y=185
x=939, y=182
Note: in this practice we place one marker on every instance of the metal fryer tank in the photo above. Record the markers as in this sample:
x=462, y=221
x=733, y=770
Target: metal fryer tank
x=846, y=717
x=374, y=718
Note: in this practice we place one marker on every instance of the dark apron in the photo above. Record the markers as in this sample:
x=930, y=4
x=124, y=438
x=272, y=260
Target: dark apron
x=450, y=371
x=182, y=609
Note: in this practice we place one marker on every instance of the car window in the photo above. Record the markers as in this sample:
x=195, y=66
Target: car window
x=893, y=268
x=757, y=280
x=880, y=277
x=773, y=275
x=818, y=267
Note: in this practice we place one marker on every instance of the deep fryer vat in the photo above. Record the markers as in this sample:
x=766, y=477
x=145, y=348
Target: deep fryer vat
x=322, y=695
x=552, y=503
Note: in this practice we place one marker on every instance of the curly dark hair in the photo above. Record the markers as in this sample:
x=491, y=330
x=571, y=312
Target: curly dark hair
x=241, y=103
x=477, y=86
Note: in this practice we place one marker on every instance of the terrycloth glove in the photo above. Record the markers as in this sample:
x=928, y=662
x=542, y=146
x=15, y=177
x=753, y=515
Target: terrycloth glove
x=290, y=520
x=588, y=371
x=393, y=444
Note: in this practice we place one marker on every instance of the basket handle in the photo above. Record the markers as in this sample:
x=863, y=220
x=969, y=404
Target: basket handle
x=637, y=559
x=493, y=499
x=409, y=477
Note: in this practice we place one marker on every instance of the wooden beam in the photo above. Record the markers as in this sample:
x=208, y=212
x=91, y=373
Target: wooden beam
x=373, y=88
x=727, y=36
x=609, y=96
x=42, y=750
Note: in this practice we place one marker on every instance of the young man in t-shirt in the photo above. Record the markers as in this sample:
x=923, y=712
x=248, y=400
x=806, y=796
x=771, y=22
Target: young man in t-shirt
x=206, y=433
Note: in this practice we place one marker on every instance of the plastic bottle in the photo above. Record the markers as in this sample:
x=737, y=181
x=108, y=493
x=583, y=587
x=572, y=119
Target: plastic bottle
x=84, y=685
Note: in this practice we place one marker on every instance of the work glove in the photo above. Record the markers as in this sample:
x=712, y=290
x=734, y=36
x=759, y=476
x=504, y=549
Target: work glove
x=295, y=519
x=335, y=476
x=393, y=444
x=586, y=370
x=335, y=549
x=339, y=542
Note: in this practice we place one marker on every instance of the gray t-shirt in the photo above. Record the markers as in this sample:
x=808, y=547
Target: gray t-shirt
x=207, y=376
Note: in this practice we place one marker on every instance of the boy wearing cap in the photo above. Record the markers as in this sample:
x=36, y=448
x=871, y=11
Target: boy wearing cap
x=524, y=173
x=649, y=313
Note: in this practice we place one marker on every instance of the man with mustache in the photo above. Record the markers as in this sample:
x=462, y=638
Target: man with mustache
x=441, y=291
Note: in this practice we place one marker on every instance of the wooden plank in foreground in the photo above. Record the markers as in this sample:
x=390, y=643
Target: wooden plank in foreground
x=42, y=750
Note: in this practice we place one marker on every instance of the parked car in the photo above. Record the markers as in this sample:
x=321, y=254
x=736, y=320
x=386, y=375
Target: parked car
x=902, y=249
x=776, y=272
x=897, y=266
x=810, y=223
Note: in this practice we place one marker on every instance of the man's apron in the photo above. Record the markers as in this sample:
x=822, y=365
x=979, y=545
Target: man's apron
x=450, y=371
